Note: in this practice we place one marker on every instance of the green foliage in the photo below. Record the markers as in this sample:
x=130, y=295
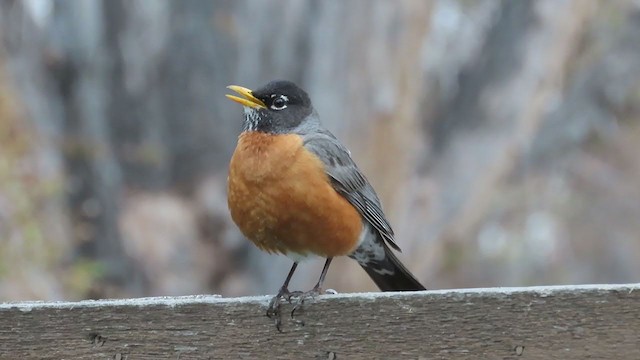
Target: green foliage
x=29, y=246
x=82, y=275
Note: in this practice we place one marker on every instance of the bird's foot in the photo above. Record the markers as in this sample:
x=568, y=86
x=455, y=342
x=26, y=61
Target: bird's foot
x=273, y=311
x=301, y=298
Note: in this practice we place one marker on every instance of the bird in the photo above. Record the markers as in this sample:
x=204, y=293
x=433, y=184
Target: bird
x=294, y=189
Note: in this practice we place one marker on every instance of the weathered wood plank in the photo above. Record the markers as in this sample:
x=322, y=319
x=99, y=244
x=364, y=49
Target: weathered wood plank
x=594, y=321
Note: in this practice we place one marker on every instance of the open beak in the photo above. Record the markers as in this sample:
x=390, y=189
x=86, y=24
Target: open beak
x=247, y=100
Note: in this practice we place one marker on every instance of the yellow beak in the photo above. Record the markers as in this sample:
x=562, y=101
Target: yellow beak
x=248, y=99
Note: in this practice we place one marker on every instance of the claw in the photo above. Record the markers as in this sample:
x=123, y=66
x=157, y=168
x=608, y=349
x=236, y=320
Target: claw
x=293, y=294
x=273, y=311
x=313, y=293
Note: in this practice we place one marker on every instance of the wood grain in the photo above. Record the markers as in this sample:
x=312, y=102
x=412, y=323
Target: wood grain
x=594, y=321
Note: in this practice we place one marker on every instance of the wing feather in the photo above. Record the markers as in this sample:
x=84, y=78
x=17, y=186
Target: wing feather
x=349, y=182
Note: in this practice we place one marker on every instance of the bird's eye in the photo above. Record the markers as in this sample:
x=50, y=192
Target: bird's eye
x=279, y=103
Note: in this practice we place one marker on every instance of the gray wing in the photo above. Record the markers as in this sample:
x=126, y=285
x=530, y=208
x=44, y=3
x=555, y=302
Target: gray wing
x=349, y=182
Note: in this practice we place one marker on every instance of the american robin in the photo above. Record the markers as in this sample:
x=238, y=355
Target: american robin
x=294, y=189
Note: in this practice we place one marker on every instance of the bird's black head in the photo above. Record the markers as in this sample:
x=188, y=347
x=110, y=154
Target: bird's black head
x=278, y=107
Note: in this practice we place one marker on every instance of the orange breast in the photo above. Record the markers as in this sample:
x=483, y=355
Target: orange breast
x=281, y=199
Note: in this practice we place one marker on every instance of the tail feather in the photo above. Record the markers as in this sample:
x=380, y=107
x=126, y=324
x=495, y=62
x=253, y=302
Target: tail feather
x=382, y=265
x=392, y=275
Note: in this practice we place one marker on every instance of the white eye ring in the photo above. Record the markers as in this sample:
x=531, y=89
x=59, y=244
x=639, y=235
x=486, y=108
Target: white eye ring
x=279, y=103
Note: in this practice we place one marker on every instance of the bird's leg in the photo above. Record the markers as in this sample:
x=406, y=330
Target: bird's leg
x=283, y=293
x=313, y=292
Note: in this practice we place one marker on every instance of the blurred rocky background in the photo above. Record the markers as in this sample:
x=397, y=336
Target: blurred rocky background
x=502, y=136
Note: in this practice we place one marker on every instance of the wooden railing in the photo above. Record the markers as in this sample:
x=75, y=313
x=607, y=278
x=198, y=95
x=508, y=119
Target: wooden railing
x=561, y=322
